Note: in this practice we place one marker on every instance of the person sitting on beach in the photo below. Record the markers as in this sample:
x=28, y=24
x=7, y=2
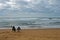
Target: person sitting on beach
x=18, y=29
x=13, y=28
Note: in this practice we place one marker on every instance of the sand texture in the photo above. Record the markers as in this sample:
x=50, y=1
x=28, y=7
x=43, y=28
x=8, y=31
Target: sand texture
x=30, y=34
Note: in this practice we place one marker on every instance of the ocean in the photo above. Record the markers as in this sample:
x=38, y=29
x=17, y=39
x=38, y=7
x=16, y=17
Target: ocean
x=30, y=22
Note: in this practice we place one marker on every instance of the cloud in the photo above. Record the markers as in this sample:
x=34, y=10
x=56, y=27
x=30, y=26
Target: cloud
x=2, y=6
x=44, y=7
x=12, y=4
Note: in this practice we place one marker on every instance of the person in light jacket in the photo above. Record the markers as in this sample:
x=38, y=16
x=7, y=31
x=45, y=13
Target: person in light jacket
x=18, y=29
x=14, y=29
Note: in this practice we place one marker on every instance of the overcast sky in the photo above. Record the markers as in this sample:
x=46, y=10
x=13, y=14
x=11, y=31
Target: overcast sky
x=30, y=8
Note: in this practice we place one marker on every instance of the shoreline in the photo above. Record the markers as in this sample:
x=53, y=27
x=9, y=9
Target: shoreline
x=31, y=28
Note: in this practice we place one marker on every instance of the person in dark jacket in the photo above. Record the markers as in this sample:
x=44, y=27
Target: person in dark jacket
x=18, y=29
x=13, y=28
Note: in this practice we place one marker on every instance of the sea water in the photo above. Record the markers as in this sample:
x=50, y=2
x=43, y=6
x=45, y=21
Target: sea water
x=30, y=22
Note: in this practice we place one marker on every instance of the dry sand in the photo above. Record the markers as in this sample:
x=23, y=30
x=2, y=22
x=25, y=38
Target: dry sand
x=30, y=34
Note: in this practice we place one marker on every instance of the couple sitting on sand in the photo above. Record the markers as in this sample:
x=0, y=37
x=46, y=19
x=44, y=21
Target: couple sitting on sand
x=14, y=29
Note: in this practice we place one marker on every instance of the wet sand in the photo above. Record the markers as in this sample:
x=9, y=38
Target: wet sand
x=30, y=34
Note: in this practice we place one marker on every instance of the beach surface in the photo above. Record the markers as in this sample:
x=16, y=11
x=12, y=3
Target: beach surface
x=30, y=34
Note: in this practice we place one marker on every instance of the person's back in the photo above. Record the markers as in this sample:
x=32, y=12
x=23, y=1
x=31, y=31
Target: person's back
x=13, y=28
x=18, y=29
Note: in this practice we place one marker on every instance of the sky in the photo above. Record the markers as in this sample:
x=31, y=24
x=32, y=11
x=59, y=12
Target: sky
x=30, y=8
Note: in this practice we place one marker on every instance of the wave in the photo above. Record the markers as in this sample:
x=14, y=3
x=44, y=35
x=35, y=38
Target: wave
x=55, y=23
x=30, y=22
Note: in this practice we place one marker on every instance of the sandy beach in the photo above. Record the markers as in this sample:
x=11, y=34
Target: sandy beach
x=30, y=34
